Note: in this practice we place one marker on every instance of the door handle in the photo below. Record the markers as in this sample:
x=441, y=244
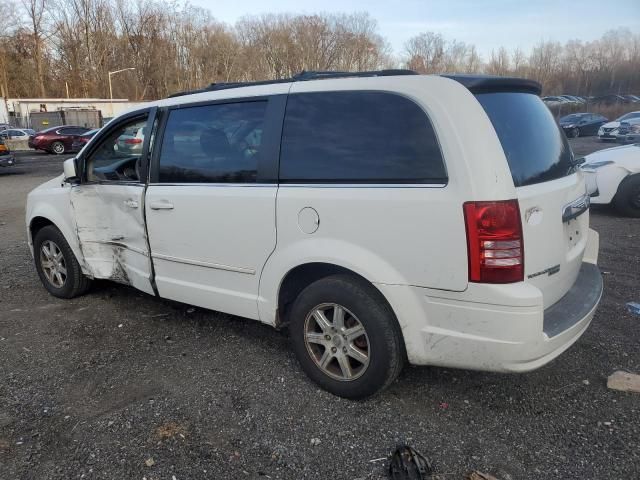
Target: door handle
x=131, y=203
x=161, y=205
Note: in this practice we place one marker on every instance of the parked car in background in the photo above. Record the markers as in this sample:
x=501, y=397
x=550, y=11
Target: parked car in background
x=628, y=131
x=81, y=140
x=6, y=157
x=350, y=210
x=4, y=126
x=611, y=99
x=572, y=98
x=582, y=124
x=613, y=176
x=56, y=140
x=17, y=133
x=607, y=131
x=555, y=101
x=131, y=140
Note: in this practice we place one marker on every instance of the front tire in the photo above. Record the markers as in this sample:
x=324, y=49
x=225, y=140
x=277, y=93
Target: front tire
x=57, y=148
x=575, y=133
x=346, y=337
x=57, y=266
x=627, y=199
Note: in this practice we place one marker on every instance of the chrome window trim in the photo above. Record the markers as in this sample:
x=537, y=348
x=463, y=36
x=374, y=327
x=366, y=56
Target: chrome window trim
x=305, y=185
x=363, y=185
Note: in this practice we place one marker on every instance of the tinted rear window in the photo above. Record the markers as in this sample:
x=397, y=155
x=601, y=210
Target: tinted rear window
x=359, y=137
x=535, y=147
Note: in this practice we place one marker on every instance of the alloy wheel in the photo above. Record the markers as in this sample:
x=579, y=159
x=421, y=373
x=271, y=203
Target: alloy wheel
x=53, y=263
x=337, y=342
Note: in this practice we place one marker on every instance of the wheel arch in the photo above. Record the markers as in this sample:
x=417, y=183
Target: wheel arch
x=304, y=274
x=631, y=177
x=42, y=218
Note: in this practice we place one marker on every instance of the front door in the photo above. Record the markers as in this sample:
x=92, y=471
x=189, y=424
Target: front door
x=210, y=206
x=108, y=205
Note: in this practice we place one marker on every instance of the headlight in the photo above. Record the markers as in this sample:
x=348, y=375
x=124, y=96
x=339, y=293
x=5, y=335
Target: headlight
x=571, y=125
x=595, y=165
x=600, y=131
x=634, y=128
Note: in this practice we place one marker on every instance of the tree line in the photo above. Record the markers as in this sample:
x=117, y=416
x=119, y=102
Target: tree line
x=55, y=48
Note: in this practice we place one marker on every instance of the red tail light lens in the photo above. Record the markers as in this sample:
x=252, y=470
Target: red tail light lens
x=494, y=241
x=133, y=141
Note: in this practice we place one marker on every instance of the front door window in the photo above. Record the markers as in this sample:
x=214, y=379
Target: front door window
x=118, y=157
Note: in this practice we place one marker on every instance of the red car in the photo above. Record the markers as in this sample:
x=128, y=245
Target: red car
x=56, y=140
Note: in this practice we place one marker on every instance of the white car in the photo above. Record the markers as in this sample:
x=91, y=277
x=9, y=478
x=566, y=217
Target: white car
x=613, y=176
x=608, y=131
x=17, y=133
x=383, y=217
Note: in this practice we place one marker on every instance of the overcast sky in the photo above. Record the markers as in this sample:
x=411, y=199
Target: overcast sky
x=488, y=24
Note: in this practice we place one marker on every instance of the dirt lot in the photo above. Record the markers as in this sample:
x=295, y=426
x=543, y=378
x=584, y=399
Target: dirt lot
x=121, y=385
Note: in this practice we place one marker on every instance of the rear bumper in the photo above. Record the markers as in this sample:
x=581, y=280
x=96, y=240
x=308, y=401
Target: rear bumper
x=495, y=327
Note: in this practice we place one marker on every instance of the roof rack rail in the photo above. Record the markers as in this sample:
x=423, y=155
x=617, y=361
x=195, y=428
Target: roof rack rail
x=299, y=77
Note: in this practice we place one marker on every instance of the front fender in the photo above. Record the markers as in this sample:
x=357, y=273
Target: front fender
x=54, y=205
x=321, y=250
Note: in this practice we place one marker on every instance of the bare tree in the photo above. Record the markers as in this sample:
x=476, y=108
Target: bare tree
x=76, y=43
x=36, y=10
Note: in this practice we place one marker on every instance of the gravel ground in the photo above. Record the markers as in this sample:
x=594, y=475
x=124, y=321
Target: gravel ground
x=121, y=385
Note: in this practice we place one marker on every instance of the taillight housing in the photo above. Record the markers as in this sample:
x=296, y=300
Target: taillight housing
x=133, y=141
x=495, y=246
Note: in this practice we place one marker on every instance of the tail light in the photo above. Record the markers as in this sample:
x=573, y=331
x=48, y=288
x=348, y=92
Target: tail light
x=133, y=141
x=494, y=241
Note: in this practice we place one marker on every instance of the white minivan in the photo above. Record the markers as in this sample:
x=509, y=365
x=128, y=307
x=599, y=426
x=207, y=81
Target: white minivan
x=382, y=217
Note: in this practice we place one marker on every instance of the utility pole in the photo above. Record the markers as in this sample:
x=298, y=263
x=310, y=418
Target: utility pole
x=111, y=90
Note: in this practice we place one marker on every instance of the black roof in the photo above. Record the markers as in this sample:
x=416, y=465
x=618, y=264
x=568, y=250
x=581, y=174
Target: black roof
x=475, y=83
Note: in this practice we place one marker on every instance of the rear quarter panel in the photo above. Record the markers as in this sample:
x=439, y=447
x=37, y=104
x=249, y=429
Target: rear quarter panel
x=396, y=235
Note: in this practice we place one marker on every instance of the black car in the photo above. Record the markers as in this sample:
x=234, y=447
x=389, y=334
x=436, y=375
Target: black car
x=582, y=124
x=81, y=140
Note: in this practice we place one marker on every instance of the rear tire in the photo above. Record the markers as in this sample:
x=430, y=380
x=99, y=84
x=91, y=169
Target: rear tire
x=627, y=199
x=335, y=357
x=575, y=133
x=57, y=148
x=57, y=266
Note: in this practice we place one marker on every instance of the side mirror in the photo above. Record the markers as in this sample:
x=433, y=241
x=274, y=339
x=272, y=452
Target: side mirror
x=70, y=173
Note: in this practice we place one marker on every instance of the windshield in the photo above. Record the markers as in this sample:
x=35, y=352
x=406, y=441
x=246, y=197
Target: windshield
x=535, y=147
x=628, y=116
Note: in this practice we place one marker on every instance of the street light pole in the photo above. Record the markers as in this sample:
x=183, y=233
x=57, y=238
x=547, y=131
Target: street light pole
x=111, y=90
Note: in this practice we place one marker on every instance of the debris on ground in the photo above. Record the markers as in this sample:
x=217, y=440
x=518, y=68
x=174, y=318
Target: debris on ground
x=315, y=442
x=408, y=464
x=634, y=307
x=170, y=430
x=149, y=462
x=475, y=475
x=624, y=381
x=4, y=445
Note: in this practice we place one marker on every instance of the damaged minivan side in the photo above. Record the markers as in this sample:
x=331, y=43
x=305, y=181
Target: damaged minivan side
x=384, y=217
